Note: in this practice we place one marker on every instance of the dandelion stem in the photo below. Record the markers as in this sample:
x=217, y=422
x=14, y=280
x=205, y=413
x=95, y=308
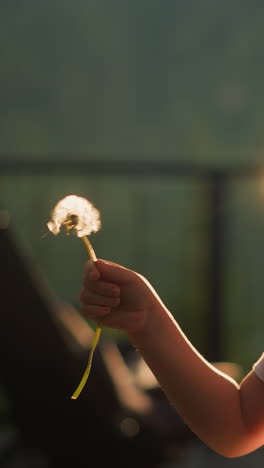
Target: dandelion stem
x=89, y=248
x=97, y=334
x=88, y=367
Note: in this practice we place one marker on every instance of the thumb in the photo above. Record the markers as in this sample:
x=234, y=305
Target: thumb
x=115, y=273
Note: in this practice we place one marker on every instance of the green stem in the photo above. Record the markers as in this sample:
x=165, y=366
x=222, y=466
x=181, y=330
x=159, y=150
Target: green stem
x=88, y=367
x=98, y=330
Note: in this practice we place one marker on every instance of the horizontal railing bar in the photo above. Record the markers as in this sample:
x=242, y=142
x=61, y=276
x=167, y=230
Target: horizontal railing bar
x=125, y=167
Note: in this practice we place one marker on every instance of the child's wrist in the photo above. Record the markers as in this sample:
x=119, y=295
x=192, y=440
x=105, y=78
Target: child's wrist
x=150, y=324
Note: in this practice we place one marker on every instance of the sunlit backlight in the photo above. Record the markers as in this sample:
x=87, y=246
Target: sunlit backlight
x=78, y=214
x=73, y=212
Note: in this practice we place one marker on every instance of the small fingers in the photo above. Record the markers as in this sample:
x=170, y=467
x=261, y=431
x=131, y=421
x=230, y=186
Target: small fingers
x=91, y=272
x=94, y=311
x=97, y=297
x=90, y=297
x=102, y=288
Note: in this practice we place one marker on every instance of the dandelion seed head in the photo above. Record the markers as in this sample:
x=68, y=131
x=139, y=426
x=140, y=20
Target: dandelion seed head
x=74, y=212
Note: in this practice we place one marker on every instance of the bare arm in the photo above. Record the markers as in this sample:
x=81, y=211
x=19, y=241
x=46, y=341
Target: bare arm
x=228, y=417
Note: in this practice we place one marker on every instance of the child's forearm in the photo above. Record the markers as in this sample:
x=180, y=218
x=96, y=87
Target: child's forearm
x=207, y=400
x=227, y=417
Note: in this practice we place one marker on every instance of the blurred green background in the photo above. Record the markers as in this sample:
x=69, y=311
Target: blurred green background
x=174, y=81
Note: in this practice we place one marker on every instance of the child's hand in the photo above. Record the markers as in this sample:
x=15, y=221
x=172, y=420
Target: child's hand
x=116, y=297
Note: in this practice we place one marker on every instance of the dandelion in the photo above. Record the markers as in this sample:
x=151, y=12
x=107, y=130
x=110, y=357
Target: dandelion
x=78, y=214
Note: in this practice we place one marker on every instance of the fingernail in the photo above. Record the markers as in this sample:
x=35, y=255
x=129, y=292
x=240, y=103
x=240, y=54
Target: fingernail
x=93, y=275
